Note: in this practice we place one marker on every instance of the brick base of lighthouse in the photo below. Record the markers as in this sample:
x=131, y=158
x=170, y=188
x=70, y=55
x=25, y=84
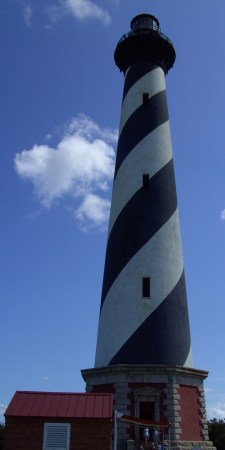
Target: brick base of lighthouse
x=174, y=394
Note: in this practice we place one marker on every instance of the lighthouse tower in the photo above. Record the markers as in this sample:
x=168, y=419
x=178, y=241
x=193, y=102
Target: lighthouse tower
x=143, y=352
x=144, y=301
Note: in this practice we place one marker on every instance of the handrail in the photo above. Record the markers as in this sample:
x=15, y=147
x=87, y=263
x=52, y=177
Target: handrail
x=146, y=31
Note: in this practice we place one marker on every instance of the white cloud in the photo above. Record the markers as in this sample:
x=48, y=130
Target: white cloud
x=81, y=166
x=222, y=214
x=46, y=378
x=80, y=9
x=216, y=411
x=93, y=210
x=2, y=410
x=215, y=400
x=27, y=14
x=115, y=2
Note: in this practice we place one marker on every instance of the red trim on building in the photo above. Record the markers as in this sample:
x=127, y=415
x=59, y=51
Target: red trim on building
x=144, y=422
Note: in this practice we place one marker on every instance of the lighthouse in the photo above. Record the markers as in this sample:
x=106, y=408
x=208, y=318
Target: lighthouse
x=144, y=300
x=143, y=351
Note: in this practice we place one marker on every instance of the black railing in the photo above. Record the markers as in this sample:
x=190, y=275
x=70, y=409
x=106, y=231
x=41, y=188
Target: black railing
x=146, y=31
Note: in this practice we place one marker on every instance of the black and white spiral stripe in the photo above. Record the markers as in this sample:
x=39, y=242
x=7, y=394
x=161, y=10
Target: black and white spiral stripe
x=144, y=237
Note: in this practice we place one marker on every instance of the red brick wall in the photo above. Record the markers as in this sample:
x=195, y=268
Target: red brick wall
x=27, y=433
x=189, y=413
x=22, y=433
x=91, y=434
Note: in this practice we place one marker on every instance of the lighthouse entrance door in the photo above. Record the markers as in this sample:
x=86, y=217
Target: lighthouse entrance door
x=146, y=411
x=146, y=407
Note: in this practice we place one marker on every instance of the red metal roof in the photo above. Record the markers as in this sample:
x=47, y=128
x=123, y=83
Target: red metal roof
x=60, y=404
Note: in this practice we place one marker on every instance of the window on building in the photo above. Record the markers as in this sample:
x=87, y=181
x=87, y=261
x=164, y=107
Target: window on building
x=145, y=180
x=145, y=98
x=146, y=287
x=147, y=410
x=56, y=436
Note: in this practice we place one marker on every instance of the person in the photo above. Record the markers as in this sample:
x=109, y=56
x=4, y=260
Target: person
x=146, y=434
x=155, y=436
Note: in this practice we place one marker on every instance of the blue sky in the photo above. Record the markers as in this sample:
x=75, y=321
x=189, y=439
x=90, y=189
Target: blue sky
x=60, y=105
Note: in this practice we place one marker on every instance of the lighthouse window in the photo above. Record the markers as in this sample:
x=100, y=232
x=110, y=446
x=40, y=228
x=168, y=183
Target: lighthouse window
x=145, y=98
x=145, y=180
x=146, y=287
x=147, y=410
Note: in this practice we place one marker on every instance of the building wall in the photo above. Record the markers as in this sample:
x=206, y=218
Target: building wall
x=27, y=433
x=23, y=434
x=178, y=392
x=189, y=413
x=126, y=399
